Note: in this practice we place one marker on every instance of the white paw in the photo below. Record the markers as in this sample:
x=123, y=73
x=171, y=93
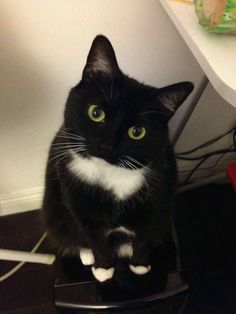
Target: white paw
x=140, y=269
x=103, y=274
x=86, y=256
x=125, y=250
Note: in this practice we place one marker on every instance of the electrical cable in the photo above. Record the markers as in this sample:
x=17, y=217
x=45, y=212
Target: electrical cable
x=210, y=142
x=207, y=167
x=216, y=152
x=194, y=169
x=204, y=159
x=206, y=156
x=19, y=265
x=233, y=146
x=212, y=166
x=234, y=138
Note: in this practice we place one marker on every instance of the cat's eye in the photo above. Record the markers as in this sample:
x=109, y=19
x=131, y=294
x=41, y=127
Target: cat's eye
x=136, y=132
x=96, y=113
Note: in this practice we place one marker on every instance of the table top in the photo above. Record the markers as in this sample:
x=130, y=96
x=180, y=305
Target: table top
x=216, y=53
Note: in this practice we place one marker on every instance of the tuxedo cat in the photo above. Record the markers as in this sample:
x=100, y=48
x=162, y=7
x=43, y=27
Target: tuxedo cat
x=111, y=172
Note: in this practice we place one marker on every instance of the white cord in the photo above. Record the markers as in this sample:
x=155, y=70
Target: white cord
x=19, y=265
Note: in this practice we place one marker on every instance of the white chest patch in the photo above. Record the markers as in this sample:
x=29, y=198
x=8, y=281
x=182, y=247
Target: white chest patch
x=122, y=182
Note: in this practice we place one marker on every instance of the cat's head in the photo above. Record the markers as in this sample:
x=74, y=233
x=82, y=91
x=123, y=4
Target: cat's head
x=118, y=118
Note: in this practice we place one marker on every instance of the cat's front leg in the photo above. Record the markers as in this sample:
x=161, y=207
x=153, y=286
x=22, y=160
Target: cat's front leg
x=139, y=262
x=102, y=274
x=103, y=267
x=86, y=256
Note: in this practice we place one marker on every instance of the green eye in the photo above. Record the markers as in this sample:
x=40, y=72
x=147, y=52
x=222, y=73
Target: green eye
x=96, y=113
x=136, y=132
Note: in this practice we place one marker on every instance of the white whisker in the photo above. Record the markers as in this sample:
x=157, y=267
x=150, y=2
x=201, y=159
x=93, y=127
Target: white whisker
x=121, y=164
x=55, y=152
x=58, y=151
x=60, y=160
x=153, y=112
x=71, y=135
x=58, y=155
x=134, y=160
x=79, y=150
x=130, y=164
x=67, y=145
x=67, y=136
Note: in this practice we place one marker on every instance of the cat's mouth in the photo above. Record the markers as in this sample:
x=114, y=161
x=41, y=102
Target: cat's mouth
x=107, y=157
x=104, y=153
x=124, y=161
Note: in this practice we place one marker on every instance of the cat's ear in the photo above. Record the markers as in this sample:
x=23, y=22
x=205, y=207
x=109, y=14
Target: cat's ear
x=101, y=58
x=172, y=96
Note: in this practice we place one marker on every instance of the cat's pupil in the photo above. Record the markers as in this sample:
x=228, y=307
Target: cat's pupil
x=137, y=130
x=97, y=112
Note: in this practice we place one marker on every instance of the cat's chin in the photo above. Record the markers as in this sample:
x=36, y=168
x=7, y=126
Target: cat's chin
x=104, y=159
x=94, y=156
x=101, y=158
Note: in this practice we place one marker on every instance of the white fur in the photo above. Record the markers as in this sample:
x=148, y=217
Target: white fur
x=122, y=182
x=140, y=269
x=122, y=230
x=103, y=274
x=168, y=102
x=102, y=64
x=125, y=250
x=86, y=256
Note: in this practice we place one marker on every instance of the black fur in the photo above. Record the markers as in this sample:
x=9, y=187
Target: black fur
x=78, y=214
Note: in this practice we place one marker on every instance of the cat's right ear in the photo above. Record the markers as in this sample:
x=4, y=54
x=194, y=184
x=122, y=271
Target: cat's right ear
x=101, y=59
x=172, y=96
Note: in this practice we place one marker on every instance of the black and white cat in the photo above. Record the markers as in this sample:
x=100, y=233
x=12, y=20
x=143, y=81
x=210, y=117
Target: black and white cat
x=111, y=173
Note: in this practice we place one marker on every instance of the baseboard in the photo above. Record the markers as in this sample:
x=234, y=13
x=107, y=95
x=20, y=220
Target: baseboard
x=21, y=201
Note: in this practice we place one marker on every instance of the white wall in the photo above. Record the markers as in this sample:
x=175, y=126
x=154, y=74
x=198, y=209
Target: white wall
x=43, y=48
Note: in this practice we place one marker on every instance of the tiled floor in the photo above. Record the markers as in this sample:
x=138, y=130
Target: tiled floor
x=206, y=223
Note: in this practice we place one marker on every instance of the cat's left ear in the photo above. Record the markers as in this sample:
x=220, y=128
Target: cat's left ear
x=101, y=59
x=171, y=97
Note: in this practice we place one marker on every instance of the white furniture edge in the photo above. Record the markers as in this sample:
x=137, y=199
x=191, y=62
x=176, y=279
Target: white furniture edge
x=222, y=87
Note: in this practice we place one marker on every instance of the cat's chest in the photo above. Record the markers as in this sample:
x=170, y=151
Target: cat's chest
x=122, y=182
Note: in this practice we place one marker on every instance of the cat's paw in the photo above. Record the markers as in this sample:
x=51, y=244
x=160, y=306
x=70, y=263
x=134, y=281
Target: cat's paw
x=86, y=256
x=125, y=250
x=140, y=269
x=103, y=274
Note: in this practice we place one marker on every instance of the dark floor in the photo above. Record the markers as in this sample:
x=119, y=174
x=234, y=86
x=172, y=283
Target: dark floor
x=206, y=225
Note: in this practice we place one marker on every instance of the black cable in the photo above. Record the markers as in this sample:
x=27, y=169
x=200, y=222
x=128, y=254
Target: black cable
x=234, y=138
x=201, y=162
x=216, y=152
x=219, y=159
x=206, y=156
x=212, y=141
x=194, y=169
x=209, y=167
